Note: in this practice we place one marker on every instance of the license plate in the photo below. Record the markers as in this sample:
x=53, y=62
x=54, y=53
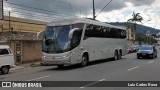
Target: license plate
x=54, y=62
x=144, y=54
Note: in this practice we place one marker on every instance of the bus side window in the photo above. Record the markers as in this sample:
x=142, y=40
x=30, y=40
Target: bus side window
x=112, y=33
x=102, y=32
x=106, y=32
x=88, y=31
x=97, y=31
x=123, y=34
x=76, y=38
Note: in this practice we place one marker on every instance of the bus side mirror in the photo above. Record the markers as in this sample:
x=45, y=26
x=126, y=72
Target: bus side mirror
x=71, y=33
x=39, y=35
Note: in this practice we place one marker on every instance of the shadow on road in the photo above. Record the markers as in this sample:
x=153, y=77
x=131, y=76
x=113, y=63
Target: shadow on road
x=146, y=58
x=71, y=67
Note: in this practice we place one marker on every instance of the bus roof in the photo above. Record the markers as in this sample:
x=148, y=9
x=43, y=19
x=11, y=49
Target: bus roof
x=80, y=20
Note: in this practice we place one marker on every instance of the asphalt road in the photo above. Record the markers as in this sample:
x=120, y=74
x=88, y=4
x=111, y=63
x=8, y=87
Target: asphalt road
x=129, y=68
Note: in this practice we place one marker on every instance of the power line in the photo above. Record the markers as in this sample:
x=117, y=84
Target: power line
x=29, y=12
x=22, y=10
x=103, y=8
x=32, y=7
x=40, y=17
x=58, y=3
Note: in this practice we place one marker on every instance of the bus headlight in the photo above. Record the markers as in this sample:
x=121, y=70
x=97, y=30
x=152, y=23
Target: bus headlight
x=64, y=56
x=67, y=55
x=43, y=56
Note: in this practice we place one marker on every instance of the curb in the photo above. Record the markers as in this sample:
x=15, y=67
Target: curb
x=18, y=68
x=22, y=66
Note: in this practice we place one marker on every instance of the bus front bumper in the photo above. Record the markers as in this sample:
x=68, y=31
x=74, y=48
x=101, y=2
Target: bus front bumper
x=65, y=61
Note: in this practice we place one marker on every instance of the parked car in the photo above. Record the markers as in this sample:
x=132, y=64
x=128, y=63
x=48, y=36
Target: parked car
x=130, y=50
x=147, y=51
x=6, y=59
x=134, y=48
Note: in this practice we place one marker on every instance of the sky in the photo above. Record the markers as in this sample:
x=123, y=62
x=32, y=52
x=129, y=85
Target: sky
x=116, y=11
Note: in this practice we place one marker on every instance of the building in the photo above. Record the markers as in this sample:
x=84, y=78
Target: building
x=21, y=25
x=20, y=35
x=130, y=36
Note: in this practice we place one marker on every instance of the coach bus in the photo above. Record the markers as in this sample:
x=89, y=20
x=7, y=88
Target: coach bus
x=79, y=41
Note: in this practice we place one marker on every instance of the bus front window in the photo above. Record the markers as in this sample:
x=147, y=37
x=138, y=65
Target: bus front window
x=56, y=38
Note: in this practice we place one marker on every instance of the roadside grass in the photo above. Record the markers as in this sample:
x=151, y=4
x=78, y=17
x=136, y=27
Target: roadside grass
x=35, y=65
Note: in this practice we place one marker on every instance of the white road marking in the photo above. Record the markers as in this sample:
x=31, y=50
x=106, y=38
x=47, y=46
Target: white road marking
x=132, y=68
x=81, y=87
x=92, y=83
x=102, y=79
x=38, y=78
x=151, y=62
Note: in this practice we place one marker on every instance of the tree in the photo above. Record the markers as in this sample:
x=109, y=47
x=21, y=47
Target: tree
x=135, y=18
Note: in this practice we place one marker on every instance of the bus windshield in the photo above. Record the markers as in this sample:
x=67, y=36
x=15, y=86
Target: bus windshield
x=56, y=38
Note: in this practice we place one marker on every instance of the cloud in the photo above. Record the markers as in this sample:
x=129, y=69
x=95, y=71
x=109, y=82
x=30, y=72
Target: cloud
x=73, y=7
x=150, y=15
x=141, y=2
x=117, y=10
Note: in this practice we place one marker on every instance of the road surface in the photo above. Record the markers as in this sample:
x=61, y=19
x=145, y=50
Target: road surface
x=129, y=68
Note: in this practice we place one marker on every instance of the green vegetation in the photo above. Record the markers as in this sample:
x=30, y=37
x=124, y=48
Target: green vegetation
x=146, y=39
x=34, y=64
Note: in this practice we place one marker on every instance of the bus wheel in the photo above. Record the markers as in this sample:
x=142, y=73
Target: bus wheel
x=84, y=60
x=4, y=69
x=116, y=56
x=60, y=66
x=120, y=55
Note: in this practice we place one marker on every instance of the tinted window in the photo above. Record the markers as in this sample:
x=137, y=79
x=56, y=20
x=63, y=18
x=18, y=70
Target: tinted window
x=117, y=33
x=104, y=32
x=95, y=31
x=89, y=30
x=76, y=38
x=3, y=51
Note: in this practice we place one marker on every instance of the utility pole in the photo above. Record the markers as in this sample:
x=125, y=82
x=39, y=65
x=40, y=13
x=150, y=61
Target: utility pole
x=9, y=20
x=93, y=11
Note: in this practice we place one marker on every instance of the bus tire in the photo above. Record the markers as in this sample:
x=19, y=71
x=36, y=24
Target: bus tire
x=84, y=60
x=116, y=56
x=120, y=54
x=4, y=69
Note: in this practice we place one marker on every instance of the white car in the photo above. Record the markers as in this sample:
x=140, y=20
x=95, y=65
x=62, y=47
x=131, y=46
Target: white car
x=6, y=59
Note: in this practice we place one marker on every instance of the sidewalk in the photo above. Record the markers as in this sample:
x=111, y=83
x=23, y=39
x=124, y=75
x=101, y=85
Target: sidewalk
x=26, y=65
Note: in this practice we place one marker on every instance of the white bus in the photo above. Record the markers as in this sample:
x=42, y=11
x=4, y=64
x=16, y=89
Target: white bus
x=73, y=41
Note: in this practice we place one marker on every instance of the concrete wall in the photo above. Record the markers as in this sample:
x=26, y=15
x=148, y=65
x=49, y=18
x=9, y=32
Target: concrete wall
x=31, y=51
x=4, y=36
x=30, y=46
